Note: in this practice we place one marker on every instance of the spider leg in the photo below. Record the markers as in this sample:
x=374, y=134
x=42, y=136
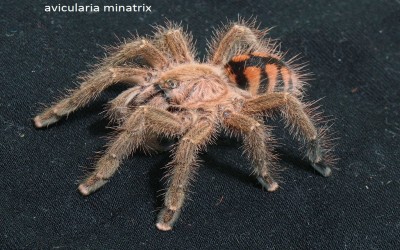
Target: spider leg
x=95, y=83
x=132, y=136
x=137, y=49
x=239, y=39
x=175, y=41
x=297, y=118
x=124, y=104
x=119, y=108
x=255, y=141
x=107, y=74
x=182, y=169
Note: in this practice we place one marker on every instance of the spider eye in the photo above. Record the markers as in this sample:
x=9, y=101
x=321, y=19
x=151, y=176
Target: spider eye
x=172, y=83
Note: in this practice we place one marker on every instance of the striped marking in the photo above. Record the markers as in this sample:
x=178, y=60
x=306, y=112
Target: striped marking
x=286, y=78
x=240, y=58
x=272, y=71
x=260, y=73
x=253, y=75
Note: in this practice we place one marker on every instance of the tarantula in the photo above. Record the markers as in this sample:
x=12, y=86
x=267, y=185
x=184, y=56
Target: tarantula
x=173, y=95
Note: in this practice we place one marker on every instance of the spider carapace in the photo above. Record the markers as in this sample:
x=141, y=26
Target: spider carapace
x=173, y=95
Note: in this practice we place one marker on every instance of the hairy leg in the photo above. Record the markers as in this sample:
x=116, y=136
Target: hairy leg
x=133, y=133
x=119, y=108
x=107, y=74
x=241, y=38
x=137, y=49
x=297, y=119
x=182, y=168
x=255, y=141
x=176, y=42
x=91, y=88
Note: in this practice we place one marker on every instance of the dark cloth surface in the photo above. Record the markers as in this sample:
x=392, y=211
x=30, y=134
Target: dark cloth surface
x=353, y=50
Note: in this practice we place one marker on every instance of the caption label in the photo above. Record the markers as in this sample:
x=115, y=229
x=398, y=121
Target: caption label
x=91, y=8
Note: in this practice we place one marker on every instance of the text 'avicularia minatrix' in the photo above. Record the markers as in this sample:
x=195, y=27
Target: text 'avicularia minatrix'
x=96, y=8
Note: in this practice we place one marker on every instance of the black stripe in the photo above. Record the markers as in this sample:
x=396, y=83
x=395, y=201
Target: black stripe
x=290, y=83
x=260, y=61
x=238, y=70
x=254, y=61
x=264, y=82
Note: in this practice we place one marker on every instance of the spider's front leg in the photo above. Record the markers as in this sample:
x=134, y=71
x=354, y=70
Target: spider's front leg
x=125, y=103
x=128, y=101
x=133, y=135
x=255, y=141
x=182, y=168
x=108, y=73
x=297, y=119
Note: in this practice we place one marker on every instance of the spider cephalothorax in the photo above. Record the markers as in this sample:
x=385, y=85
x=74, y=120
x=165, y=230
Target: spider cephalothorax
x=175, y=96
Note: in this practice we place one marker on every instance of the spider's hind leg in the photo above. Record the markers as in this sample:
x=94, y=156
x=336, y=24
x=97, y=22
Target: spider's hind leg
x=174, y=41
x=238, y=38
x=298, y=120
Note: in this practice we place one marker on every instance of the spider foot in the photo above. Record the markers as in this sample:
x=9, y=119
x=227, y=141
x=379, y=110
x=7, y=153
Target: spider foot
x=45, y=119
x=322, y=169
x=316, y=158
x=166, y=219
x=268, y=183
x=91, y=184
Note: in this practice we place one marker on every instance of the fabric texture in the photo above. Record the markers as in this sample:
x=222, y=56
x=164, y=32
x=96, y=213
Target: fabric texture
x=352, y=48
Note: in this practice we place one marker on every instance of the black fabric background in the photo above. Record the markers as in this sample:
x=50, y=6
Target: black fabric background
x=353, y=50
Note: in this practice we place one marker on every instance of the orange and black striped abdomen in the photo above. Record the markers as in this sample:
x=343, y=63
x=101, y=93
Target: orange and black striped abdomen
x=260, y=73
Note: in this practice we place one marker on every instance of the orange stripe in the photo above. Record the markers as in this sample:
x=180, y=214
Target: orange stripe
x=253, y=75
x=285, y=77
x=240, y=58
x=272, y=72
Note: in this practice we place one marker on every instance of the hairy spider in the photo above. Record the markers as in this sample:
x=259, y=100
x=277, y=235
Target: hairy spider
x=243, y=79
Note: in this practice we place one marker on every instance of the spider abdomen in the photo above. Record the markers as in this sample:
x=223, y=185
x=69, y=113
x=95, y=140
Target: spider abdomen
x=260, y=73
